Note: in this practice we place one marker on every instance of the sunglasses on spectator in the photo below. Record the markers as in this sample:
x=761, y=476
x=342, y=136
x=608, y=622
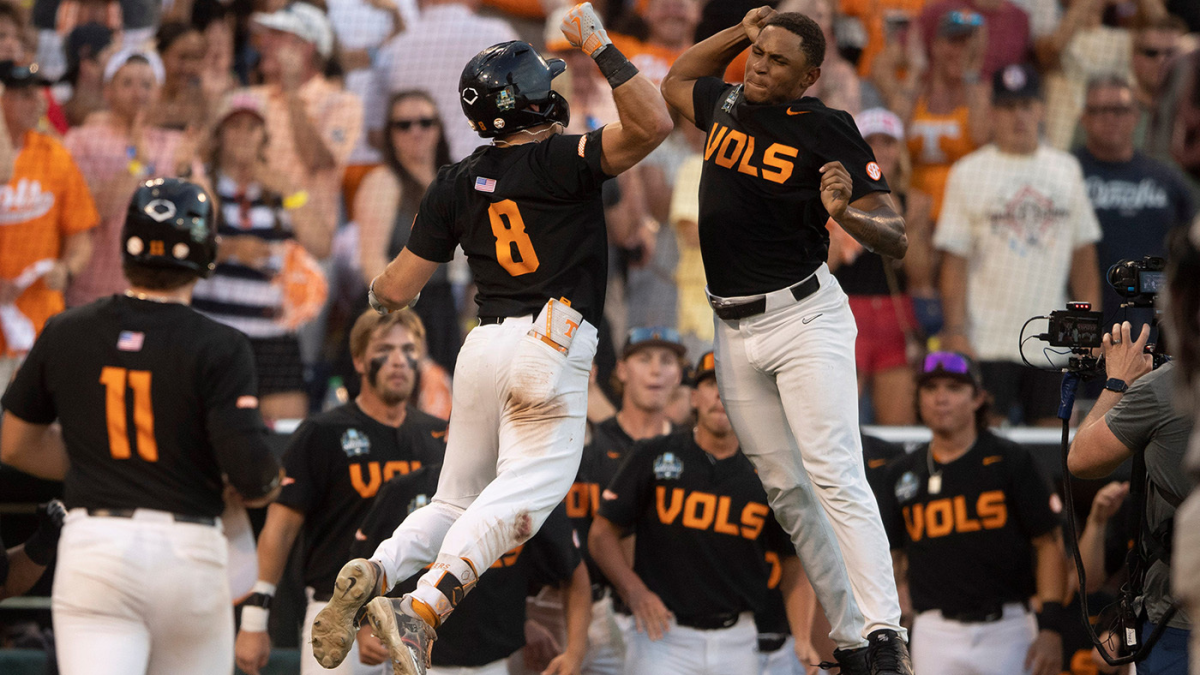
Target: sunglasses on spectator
x=1109, y=109
x=947, y=362
x=1154, y=53
x=965, y=18
x=405, y=125
x=656, y=334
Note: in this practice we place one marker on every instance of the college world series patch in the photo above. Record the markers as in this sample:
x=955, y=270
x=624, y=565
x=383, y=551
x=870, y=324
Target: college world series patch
x=667, y=466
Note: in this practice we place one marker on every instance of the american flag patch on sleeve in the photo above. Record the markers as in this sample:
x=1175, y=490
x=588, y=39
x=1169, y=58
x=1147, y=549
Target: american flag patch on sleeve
x=485, y=184
x=130, y=341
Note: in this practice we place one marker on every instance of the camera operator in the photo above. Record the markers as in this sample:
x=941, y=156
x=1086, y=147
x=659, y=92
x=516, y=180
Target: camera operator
x=1136, y=413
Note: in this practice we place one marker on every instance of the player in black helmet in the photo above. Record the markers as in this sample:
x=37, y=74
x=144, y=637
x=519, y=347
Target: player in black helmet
x=158, y=413
x=528, y=212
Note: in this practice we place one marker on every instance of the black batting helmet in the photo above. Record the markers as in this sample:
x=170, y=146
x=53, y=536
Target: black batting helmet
x=500, y=85
x=170, y=225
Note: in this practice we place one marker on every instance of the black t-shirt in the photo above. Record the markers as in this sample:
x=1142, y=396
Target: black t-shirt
x=877, y=453
x=1137, y=203
x=489, y=623
x=149, y=396
x=601, y=459
x=531, y=220
x=969, y=546
x=762, y=224
x=703, y=526
x=336, y=463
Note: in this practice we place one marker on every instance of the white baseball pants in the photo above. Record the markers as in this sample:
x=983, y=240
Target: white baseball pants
x=141, y=595
x=606, y=643
x=507, y=465
x=782, y=661
x=494, y=668
x=309, y=664
x=944, y=647
x=787, y=378
x=687, y=651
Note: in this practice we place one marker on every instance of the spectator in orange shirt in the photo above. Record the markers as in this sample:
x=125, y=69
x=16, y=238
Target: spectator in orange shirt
x=672, y=29
x=45, y=215
x=116, y=149
x=839, y=86
x=887, y=22
x=312, y=123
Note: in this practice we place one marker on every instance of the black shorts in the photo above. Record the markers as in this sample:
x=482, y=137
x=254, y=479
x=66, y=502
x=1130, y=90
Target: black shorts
x=277, y=362
x=1022, y=394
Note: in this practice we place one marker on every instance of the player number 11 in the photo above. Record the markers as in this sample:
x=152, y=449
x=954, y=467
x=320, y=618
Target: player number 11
x=116, y=381
x=512, y=233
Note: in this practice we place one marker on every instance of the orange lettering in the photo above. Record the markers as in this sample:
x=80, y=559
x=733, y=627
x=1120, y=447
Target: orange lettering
x=714, y=140
x=667, y=514
x=776, y=569
x=595, y=493
x=754, y=518
x=366, y=490
x=962, y=522
x=783, y=166
x=707, y=504
x=914, y=520
x=1082, y=663
x=939, y=521
x=723, y=525
x=991, y=509
x=113, y=380
x=392, y=468
x=745, y=167
x=577, y=501
x=727, y=157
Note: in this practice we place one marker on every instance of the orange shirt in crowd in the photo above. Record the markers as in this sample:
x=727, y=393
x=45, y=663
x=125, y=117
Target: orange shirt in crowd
x=872, y=14
x=46, y=201
x=651, y=60
x=525, y=9
x=935, y=142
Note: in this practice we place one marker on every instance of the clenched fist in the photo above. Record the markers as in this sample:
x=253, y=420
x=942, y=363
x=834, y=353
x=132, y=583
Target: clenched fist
x=583, y=29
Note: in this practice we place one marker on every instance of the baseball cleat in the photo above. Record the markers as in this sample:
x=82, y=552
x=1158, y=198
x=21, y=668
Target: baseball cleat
x=887, y=654
x=849, y=662
x=409, y=640
x=334, y=628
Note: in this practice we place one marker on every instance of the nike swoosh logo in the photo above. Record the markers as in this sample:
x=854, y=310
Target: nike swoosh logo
x=809, y=319
x=876, y=463
x=988, y=461
x=797, y=112
x=438, y=434
x=613, y=455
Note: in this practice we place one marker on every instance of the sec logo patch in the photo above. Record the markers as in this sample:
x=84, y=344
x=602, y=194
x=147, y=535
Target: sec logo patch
x=874, y=171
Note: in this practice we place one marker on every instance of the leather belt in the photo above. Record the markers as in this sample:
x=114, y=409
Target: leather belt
x=128, y=513
x=489, y=320
x=755, y=307
x=771, y=642
x=708, y=622
x=981, y=615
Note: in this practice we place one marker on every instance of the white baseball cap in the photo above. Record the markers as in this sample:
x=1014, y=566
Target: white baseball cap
x=118, y=60
x=880, y=121
x=302, y=20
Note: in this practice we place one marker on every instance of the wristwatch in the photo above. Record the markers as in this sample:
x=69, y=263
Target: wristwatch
x=1116, y=385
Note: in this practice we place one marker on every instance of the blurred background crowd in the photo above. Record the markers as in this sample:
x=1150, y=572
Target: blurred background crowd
x=319, y=125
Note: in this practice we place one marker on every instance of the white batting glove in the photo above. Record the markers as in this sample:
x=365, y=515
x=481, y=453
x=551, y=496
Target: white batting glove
x=583, y=29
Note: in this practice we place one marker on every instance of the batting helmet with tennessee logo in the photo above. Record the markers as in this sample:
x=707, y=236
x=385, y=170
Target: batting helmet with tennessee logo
x=169, y=224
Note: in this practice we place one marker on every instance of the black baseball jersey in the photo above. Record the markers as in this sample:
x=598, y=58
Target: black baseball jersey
x=336, y=462
x=489, y=623
x=969, y=545
x=703, y=526
x=601, y=459
x=531, y=220
x=156, y=402
x=772, y=620
x=762, y=223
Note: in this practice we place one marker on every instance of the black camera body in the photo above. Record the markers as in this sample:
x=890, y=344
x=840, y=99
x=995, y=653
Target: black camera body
x=1138, y=281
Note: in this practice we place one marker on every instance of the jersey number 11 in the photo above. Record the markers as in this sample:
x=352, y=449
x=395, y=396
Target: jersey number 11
x=116, y=381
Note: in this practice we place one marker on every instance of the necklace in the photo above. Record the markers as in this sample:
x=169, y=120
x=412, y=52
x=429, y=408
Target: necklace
x=935, y=477
x=151, y=298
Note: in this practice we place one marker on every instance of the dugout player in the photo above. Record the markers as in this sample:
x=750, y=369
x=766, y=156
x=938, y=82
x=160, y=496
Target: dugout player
x=973, y=525
x=336, y=463
x=157, y=409
x=648, y=374
x=702, y=528
x=528, y=212
x=777, y=166
x=489, y=624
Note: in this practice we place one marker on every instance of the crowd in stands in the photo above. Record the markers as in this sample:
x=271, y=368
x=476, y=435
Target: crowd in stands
x=1030, y=143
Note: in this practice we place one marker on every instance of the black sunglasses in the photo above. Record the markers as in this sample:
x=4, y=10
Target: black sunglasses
x=1152, y=53
x=405, y=125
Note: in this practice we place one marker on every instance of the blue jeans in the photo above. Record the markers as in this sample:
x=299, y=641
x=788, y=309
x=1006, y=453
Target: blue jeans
x=1169, y=656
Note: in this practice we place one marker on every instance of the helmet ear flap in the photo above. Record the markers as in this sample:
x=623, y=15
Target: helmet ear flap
x=560, y=110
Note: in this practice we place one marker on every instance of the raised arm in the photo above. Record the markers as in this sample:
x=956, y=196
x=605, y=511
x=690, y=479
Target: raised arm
x=644, y=120
x=872, y=219
x=710, y=58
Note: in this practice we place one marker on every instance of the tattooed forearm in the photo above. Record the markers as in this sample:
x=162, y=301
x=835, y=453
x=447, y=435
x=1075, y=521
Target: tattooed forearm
x=880, y=230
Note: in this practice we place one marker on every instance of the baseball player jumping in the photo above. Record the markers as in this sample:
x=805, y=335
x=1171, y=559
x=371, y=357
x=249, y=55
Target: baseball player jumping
x=527, y=210
x=157, y=404
x=777, y=166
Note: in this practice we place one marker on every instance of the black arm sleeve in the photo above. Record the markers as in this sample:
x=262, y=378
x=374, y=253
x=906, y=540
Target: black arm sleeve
x=570, y=164
x=234, y=424
x=27, y=395
x=843, y=143
x=705, y=93
x=1031, y=495
x=432, y=236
